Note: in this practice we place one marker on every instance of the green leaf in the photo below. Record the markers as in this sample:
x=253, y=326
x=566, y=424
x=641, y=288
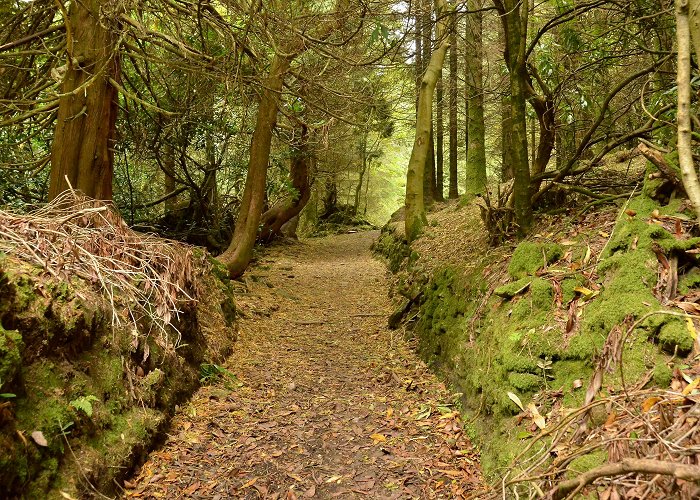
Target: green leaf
x=84, y=404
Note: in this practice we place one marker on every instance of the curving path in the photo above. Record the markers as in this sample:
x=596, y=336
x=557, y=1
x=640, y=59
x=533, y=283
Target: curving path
x=328, y=402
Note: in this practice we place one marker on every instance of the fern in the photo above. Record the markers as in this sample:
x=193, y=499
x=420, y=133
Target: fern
x=84, y=404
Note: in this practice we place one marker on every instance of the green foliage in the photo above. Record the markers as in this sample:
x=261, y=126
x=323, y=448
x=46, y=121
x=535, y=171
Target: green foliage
x=84, y=404
x=210, y=373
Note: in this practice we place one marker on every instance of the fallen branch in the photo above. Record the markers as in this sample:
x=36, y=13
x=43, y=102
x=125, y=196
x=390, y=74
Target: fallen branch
x=626, y=466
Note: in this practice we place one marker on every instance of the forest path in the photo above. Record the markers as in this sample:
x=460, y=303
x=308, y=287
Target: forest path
x=330, y=403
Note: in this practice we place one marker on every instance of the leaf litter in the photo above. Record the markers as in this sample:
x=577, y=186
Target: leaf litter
x=332, y=404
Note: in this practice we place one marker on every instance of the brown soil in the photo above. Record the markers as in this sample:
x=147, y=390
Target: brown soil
x=330, y=404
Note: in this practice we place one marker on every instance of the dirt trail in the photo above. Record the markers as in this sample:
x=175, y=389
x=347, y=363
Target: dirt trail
x=330, y=403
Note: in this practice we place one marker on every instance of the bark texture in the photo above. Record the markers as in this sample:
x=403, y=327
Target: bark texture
x=453, y=189
x=237, y=256
x=272, y=220
x=87, y=112
x=415, y=203
x=685, y=151
x=476, y=145
x=514, y=17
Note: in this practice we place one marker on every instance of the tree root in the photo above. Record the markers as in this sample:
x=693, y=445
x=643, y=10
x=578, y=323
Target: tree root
x=627, y=465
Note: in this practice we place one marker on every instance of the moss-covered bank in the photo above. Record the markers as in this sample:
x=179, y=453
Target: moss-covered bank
x=82, y=401
x=534, y=324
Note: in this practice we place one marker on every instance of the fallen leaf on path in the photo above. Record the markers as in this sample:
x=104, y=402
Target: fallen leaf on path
x=249, y=483
x=378, y=438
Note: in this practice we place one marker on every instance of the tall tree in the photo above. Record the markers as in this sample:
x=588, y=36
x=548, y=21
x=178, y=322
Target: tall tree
x=82, y=152
x=239, y=252
x=453, y=189
x=415, y=203
x=429, y=185
x=514, y=17
x=476, y=146
x=439, y=142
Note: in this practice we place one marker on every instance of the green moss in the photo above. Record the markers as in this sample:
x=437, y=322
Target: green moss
x=587, y=462
x=529, y=257
x=393, y=247
x=526, y=382
x=689, y=281
x=10, y=357
x=674, y=337
x=662, y=375
x=510, y=290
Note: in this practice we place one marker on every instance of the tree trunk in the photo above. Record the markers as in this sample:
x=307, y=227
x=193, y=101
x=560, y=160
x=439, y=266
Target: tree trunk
x=276, y=217
x=506, y=147
x=439, y=143
x=415, y=205
x=429, y=175
x=514, y=17
x=685, y=151
x=237, y=256
x=82, y=149
x=476, y=147
x=453, y=189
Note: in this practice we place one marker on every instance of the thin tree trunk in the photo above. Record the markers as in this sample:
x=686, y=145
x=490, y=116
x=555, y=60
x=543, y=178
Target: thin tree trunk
x=506, y=146
x=476, y=147
x=440, y=143
x=429, y=175
x=415, y=205
x=82, y=149
x=453, y=189
x=685, y=151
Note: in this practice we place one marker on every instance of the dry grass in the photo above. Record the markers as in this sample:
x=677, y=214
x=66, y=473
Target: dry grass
x=147, y=281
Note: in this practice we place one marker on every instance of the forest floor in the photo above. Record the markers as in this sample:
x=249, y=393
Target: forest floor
x=326, y=401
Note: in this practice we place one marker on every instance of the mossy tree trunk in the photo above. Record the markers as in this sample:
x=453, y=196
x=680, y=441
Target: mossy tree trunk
x=415, y=203
x=476, y=147
x=514, y=17
x=82, y=149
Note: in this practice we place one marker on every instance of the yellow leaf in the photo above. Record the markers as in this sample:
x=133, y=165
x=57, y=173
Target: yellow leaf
x=586, y=293
x=587, y=257
x=536, y=417
x=378, y=438
x=516, y=400
x=691, y=386
x=389, y=412
x=249, y=483
x=649, y=403
x=691, y=328
x=449, y=415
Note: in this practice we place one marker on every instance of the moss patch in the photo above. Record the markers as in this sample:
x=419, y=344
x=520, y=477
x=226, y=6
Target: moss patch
x=515, y=340
x=529, y=257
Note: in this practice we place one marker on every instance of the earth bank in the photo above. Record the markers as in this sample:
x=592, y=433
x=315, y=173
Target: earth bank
x=520, y=331
x=86, y=390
